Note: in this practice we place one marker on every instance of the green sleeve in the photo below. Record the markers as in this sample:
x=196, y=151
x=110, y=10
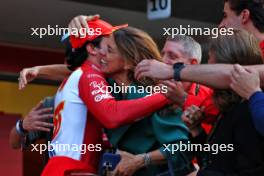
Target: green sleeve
x=170, y=129
x=168, y=126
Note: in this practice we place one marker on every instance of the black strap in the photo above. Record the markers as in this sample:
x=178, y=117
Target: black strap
x=197, y=89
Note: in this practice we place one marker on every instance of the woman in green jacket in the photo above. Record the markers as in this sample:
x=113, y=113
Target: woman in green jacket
x=145, y=141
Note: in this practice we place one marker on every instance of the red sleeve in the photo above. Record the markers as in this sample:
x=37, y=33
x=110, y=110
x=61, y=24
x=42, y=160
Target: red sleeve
x=204, y=98
x=112, y=113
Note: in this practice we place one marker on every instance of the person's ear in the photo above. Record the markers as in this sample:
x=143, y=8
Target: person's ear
x=91, y=49
x=194, y=61
x=245, y=16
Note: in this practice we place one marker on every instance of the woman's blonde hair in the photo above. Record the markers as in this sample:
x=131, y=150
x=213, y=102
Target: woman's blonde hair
x=136, y=45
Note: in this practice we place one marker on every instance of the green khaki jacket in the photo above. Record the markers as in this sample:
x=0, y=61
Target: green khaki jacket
x=152, y=133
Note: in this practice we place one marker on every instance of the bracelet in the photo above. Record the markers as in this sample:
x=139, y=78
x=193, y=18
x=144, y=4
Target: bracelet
x=147, y=159
x=19, y=128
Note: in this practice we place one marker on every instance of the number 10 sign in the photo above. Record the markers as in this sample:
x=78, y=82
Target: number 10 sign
x=158, y=9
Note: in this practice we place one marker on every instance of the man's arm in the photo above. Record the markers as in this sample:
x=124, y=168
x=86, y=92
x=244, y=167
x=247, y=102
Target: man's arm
x=33, y=121
x=215, y=75
x=52, y=72
x=15, y=139
x=204, y=74
x=212, y=75
x=56, y=71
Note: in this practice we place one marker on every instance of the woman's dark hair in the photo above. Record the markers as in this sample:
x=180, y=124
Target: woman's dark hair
x=256, y=8
x=240, y=48
x=76, y=57
x=136, y=45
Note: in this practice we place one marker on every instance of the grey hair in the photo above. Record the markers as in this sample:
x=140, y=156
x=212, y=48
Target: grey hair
x=191, y=47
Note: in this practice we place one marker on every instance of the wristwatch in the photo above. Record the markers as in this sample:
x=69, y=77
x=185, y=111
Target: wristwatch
x=177, y=67
x=19, y=128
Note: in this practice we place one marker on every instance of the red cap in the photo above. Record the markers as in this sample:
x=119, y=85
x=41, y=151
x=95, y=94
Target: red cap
x=96, y=28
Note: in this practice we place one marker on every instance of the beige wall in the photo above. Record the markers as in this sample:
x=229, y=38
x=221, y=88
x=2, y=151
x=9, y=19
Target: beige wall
x=20, y=102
